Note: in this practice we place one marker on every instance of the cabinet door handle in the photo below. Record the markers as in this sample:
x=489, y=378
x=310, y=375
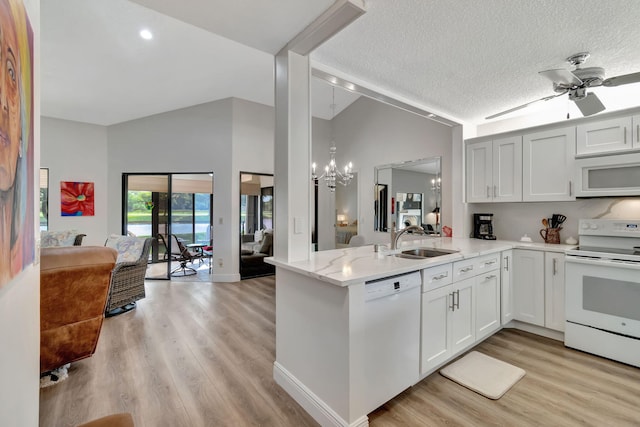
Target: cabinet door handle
x=625, y=135
x=493, y=276
x=555, y=266
x=453, y=303
x=441, y=276
x=495, y=191
x=637, y=133
x=570, y=188
x=488, y=192
x=490, y=262
x=506, y=263
x=464, y=270
x=457, y=299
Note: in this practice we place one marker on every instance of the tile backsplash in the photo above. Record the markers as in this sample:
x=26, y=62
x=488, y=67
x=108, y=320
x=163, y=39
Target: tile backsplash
x=512, y=220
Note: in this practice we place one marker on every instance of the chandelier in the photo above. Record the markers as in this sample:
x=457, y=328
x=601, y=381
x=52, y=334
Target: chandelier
x=435, y=184
x=332, y=175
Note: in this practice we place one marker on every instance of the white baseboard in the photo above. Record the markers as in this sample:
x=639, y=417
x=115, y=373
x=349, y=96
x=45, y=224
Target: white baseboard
x=311, y=403
x=534, y=329
x=234, y=277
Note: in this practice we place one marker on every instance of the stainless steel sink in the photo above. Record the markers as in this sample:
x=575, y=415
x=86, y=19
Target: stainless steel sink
x=421, y=253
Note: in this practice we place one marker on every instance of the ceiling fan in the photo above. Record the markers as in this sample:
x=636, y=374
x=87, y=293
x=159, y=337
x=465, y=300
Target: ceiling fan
x=576, y=83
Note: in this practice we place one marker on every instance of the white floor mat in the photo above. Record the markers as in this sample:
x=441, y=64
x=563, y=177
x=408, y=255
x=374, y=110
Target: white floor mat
x=483, y=374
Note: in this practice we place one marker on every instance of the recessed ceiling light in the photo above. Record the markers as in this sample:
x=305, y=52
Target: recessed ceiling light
x=431, y=115
x=146, y=34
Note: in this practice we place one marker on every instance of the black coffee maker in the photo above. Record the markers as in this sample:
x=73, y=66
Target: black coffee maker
x=483, y=226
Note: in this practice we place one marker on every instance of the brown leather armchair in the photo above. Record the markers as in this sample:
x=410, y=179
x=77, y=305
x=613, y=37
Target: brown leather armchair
x=74, y=284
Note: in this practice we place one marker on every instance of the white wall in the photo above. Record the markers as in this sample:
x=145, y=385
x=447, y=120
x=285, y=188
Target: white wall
x=513, y=220
x=76, y=151
x=19, y=301
x=193, y=139
x=370, y=133
x=253, y=136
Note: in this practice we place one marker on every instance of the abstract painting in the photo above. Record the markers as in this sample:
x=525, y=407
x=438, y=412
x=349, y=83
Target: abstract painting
x=17, y=214
x=76, y=198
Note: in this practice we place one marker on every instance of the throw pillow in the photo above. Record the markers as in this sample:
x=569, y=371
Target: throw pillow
x=129, y=248
x=267, y=241
x=246, y=252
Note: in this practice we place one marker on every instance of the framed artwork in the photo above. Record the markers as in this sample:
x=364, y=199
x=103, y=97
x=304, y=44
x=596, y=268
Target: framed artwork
x=76, y=198
x=17, y=184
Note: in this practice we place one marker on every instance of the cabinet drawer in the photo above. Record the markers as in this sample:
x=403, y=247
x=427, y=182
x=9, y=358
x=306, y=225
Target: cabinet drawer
x=464, y=269
x=487, y=263
x=436, y=277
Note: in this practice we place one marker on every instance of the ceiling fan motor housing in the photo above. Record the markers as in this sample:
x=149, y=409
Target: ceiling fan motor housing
x=590, y=76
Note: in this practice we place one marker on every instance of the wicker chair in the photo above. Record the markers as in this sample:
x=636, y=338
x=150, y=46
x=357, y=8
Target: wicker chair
x=127, y=281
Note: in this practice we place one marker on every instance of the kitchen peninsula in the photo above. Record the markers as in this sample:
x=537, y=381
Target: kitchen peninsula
x=324, y=328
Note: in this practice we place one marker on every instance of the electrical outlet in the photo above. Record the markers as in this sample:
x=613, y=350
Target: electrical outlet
x=220, y=262
x=220, y=220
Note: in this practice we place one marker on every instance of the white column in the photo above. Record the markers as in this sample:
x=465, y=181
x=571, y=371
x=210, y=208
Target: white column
x=292, y=162
x=292, y=237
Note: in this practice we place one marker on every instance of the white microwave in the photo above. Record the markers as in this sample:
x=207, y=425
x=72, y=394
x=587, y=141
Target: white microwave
x=605, y=176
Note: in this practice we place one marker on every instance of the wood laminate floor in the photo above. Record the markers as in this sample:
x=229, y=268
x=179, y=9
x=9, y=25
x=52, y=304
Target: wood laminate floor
x=201, y=354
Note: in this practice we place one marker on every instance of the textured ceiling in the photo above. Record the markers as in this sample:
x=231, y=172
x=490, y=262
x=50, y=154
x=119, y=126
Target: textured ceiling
x=463, y=58
x=470, y=58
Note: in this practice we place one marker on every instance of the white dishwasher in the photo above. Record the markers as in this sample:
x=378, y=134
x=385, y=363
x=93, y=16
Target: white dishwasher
x=392, y=337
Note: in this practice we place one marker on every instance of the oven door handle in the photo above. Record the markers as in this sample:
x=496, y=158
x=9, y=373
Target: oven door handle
x=603, y=262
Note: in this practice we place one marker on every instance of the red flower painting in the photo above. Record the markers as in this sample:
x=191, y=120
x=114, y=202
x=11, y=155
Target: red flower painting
x=76, y=198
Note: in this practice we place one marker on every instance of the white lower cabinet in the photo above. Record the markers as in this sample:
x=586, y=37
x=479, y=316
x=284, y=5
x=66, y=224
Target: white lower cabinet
x=487, y=303
x=506, y=288
x=554, y=291
x=457, y=315
x=463, y=315
x=538, y=288
x=436, y=335
x=448, y=323
x=528, y=286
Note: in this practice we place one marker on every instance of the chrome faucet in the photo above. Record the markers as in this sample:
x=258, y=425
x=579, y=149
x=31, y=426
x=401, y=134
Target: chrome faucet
x=395, y=235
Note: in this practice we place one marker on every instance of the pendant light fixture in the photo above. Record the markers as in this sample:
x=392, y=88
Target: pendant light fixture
x=332, y=175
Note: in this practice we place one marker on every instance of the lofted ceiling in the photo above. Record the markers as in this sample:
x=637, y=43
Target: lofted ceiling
x=461, y=58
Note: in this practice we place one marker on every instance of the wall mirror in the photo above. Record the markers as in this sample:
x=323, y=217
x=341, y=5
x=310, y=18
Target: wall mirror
x=408, y=193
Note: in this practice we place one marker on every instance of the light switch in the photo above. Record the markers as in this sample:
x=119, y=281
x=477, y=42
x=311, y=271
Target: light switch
x=298, y=225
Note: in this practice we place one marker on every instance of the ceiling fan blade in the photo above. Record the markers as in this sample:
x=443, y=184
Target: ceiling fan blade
x=510, y=110
x=589, y=105
x=562, y=77
x=622, y=80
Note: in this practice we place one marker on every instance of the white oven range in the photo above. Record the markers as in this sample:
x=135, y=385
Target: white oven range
x=603, y=290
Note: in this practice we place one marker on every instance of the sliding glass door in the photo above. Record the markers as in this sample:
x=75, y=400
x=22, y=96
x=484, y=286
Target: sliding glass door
x=158, y=205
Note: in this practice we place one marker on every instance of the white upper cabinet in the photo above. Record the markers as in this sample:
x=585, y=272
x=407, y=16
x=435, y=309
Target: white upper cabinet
x=507, y=169
x=479, y=172
x=548, y=165
x=605, y=136
x=494, y=171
